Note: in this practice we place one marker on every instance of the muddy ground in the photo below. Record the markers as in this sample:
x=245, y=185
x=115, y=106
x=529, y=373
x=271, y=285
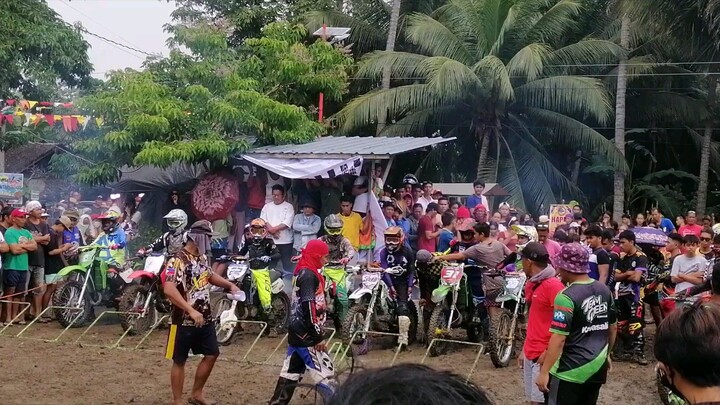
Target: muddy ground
x=80, y=372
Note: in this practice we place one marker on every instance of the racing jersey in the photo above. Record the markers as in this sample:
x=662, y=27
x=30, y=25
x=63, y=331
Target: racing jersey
x=404, y=258
x=307, y=314
x=254, y=251
x=114, y=244
x=339, y=248
x=583, y=312
x=637, y=261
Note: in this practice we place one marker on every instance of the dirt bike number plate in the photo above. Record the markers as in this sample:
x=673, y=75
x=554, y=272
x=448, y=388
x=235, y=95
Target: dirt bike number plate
x=236, y=271
x=153, y=264
x=451, y=275
x=370, y=280
x=512, y=284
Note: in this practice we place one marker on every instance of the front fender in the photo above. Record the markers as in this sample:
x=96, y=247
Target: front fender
x=69, y=269
x=357, y=294
x=440, y=293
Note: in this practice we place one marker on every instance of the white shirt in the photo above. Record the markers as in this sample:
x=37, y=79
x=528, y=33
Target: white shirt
x=686, y=265
x=276, y=214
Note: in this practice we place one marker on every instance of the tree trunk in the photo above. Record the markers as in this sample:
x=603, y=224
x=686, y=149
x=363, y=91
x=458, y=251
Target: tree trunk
x=389, y=46
x=706, y=144
x=484, y=148
x=619, y=182
x=576, y=168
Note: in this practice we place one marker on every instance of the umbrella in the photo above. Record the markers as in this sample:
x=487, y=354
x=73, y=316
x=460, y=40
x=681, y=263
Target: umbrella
x=215, y=196
x=651, y=236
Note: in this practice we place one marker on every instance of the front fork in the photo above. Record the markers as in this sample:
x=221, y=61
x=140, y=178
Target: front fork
x=453, y=307
x=371, y=309
x=146, y=306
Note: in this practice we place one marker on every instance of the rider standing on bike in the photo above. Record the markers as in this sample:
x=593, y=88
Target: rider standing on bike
x=631, y=272
x=173, y=240
x=306, y=345
x=395, y=253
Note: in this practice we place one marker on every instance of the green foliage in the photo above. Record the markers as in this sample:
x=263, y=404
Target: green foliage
x=212, y=103
x=38, y=50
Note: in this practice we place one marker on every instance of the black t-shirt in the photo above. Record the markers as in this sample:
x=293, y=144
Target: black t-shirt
x=37, y=258
x=635, y=262
x=53, y=263
x=598, y=258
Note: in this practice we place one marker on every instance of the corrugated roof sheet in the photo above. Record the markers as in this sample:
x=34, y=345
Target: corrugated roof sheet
x=346, y=146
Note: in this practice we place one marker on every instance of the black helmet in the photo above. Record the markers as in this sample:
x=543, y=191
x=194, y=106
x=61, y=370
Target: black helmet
x=410, y=179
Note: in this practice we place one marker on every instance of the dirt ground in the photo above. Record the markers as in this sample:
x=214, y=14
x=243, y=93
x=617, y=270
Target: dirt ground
x=84, y=372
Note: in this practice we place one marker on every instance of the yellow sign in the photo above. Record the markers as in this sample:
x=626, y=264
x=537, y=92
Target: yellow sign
x=558, y=212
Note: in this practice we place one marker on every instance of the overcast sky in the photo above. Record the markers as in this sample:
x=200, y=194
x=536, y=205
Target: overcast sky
x=135, y=23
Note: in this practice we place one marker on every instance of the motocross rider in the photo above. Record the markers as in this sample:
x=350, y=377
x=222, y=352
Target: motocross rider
x=260, y=251
x=341, y=252
x=396, y=254
x=113, y=240
x=172, y=240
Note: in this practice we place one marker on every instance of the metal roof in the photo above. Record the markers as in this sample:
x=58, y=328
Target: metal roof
x=338, y=147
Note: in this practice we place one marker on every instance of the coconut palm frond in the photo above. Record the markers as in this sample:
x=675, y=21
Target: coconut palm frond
x=528, y=62
x=568, y=94
x=435, y=39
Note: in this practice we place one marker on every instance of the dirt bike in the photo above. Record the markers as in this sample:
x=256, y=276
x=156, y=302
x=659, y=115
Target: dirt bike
x=446, y=315
x=337, y=288
x=373, y=309
x=90, y=283
x=247, y=305
x=145, y=300
x=505, y=328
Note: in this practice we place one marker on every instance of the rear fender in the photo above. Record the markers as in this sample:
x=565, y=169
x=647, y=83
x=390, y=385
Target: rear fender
x=69, y=269
x=359, y=293
x=142, y=274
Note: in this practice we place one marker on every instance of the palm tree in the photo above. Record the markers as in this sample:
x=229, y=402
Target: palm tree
x=619, y=183
x=389, y=47
x=500, y=76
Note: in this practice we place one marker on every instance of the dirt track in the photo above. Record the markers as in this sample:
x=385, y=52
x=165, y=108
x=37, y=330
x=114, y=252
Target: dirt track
x=36, y=372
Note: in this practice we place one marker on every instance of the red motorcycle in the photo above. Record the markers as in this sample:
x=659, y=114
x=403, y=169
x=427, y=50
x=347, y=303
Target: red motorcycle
x=144, y=301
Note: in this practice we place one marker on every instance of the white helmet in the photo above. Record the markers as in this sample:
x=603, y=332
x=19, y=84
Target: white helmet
x=527, y=231
x=176, y=219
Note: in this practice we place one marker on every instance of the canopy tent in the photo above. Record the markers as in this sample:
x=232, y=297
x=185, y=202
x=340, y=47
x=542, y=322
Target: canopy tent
x=308, y=168
x=146, y=179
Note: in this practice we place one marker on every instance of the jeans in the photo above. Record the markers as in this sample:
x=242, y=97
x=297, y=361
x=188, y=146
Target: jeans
x=286, y=253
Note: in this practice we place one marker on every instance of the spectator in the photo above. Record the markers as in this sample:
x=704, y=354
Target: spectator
x=378, y=183
x=273, y=180
x=414, y=219
x=54, y=259
x=256, y=194
x=99, y=206
x=359, y=191
x=116, y=203
x=504, y=210
x=72, y=236
x=330, y=197
x=417, y=194
x=219, y=243
x=630, y=272
x=408, y=383
x=437, y=195
x=691, y=227
x=688, y=353
x=477, y=198
x=352, y=222
x=426, y=198
x=599, y=259
x=540, y=292
x=278, y=215
x=454, y=207
x=187, y=286
x=706, y=247
x=36, y=259
x=5, y=219
x=306, y=226
x=15, y=262
x=447, y=233
x=626, y=220
x=388, y=209
x=87, y=231
x=426, y=229
x=583, y=331
x=443, y=207
x=663, y=223
x=688, y=269
x=543, y=230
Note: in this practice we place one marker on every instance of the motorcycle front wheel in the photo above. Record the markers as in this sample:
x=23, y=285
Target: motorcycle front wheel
x=132, y=302
x=66, y=299
x=281, y=312
x=226, y=332
x=437, y=329
x=354, y=322
x=501, y=338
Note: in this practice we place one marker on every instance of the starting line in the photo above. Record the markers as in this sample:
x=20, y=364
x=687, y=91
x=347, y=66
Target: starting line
x=462, y=342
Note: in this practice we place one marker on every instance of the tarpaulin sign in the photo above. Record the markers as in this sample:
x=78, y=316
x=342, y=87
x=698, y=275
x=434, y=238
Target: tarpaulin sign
x=558, y=212
x=11, y=187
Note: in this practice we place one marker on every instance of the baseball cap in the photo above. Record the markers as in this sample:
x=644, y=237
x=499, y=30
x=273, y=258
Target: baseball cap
x=572, y=258
x=114, y=196
x=18, y=213
x=44, y=214
x=67, y=223
x=33, y=205
x=536, y=252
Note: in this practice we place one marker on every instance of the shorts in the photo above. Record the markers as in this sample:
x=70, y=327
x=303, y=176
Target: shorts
x=16, y=279
x=652, y=298
x=35, y=280
x=531, y=370
x=568, y=393
x=217, y=253
x=52, y=278
x=182, y=339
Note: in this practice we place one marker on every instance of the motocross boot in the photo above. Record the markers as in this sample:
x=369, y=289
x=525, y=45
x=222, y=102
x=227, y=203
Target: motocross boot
x=283, y=391
x=404, y=328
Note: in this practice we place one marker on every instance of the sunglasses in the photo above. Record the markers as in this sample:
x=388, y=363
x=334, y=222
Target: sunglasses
x=705, y=239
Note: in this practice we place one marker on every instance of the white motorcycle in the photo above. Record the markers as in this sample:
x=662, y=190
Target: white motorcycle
x=373, y=309
x=505, y=329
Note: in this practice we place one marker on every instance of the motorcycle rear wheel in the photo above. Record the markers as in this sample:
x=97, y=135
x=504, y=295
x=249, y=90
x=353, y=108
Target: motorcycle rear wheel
x=437, y=329
x=68, y=295
x=224, y=335
x=132, y=301
x=501, y=350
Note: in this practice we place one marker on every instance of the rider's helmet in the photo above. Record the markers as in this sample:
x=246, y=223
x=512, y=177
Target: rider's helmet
x=257, y=230
x=525, y=234
x=109, y=221
x=177, y=220
x=394, y=238
x=467, y=232
x=410, y=179
x=333, y=225
x=716, y=229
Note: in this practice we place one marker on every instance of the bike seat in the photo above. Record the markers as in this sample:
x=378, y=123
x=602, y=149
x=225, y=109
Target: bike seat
x=274, y=275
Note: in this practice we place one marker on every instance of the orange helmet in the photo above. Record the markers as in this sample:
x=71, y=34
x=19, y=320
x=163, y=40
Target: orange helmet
x=257, y=229
x=394, y=238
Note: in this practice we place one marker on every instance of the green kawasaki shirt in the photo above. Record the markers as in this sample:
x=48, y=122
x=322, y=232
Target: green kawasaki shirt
x=583, y=312
x=15, y=236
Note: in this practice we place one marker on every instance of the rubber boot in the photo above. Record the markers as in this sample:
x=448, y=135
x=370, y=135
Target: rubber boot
x=283, y=391
x=404, y=328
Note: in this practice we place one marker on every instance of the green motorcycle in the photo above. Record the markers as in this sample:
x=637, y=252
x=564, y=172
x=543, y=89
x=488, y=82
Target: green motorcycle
x=89, y=283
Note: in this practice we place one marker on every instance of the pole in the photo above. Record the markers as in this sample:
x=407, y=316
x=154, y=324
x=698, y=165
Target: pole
x=321, y=107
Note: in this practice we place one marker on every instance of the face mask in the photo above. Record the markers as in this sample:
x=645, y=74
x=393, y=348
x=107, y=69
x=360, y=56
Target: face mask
x=665, y=381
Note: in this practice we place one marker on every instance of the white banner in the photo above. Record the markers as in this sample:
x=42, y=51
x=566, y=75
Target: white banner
x=309, y=168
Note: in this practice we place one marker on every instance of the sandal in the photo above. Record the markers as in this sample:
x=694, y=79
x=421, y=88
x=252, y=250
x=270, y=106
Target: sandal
x=44, y=320
x=193, y=401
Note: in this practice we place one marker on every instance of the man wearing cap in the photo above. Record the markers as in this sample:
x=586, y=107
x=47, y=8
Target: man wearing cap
x=187, y=285
x=15, y=274
x=540, y=292
x=583, y=331
x=72, y=236
x=543, y=231
x=54, y=258
x=306, y=226
x=36, y=259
